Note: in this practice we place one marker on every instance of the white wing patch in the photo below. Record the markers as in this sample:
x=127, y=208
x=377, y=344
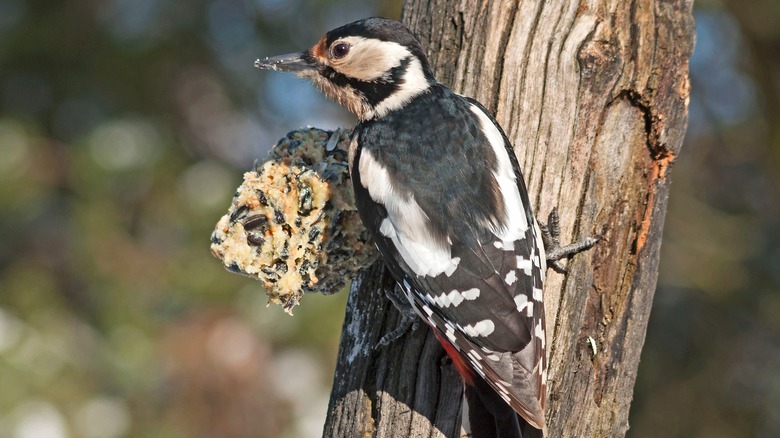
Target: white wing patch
x=506, y=245
x=454, y=297
x=514, y=224
x=510, y=278
x=539, y=331
x=406, y=223
x=524, y=265
x=453, y=264
x=540, y=257
x=482, y=328
x=523, y=304
x=450, y=333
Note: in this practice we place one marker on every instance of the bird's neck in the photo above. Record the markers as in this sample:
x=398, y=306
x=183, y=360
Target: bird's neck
x=409, y=82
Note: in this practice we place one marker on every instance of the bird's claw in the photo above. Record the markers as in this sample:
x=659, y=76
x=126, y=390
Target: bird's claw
x=551, y=236
x=409, y=319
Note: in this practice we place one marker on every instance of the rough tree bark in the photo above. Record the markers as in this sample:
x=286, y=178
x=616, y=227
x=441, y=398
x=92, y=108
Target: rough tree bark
x=594, y=96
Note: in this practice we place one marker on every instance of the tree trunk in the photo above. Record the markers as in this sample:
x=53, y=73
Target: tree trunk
x=594, y=97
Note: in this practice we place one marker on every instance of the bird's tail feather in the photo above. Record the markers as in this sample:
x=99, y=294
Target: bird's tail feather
x=491, y=417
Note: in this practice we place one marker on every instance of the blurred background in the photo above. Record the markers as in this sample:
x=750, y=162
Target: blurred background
x=125, y=126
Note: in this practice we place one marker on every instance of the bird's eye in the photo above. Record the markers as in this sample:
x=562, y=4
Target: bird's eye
x=339, y=50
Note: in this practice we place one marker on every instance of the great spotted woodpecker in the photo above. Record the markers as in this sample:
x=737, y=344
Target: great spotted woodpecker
x=439, y=188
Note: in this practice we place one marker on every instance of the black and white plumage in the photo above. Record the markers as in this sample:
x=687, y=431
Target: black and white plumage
x=438, y=186
x=459, y=235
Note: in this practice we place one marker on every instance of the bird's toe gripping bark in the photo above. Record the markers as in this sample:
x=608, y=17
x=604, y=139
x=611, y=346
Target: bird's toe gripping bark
x=409, y=319
x=551, y=236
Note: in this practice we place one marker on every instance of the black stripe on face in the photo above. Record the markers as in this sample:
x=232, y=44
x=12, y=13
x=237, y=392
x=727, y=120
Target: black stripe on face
x=374, y=91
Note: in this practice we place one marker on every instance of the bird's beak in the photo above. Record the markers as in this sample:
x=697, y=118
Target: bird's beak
x=292, y=62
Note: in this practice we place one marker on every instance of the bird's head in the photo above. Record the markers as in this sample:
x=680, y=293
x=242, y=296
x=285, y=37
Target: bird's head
x=371, y=67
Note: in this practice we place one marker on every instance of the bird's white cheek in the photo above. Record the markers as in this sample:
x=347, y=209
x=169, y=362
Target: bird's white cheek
x=370, y=59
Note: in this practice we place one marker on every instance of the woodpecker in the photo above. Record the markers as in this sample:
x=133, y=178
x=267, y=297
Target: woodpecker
x=439, y=188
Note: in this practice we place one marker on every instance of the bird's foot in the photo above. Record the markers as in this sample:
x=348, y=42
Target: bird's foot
x=551, y=236
x=409, y=319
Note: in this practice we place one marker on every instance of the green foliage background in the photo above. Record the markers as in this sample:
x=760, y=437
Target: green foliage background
x=125, y=126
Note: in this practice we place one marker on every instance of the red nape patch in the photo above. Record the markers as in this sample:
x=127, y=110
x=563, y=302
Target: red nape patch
x=464, y=369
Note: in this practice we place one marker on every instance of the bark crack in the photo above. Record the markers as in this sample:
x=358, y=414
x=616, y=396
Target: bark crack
x=653, y=122
x=661, y=155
